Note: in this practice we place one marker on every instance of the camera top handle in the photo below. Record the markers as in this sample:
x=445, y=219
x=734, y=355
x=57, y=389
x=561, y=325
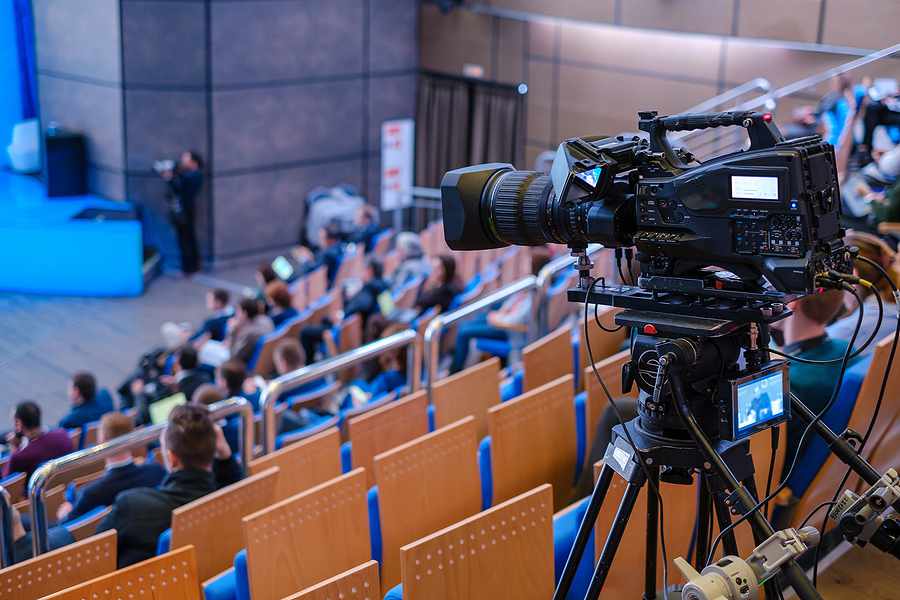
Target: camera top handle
x=762, y=131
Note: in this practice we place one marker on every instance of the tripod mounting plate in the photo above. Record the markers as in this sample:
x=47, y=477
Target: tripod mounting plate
x=668, y=324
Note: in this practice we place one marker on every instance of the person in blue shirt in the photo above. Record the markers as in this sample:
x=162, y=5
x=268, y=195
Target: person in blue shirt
x=87, y=404
x=367, y=227
x=279, y=298
x=121, y=473
x=213, y=328
x=329, y=254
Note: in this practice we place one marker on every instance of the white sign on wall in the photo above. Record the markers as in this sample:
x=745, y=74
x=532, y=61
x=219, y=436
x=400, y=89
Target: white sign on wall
x=397, y=161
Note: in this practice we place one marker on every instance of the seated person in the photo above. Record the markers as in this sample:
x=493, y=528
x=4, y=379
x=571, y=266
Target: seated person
x=191, y=444
x=386, y=374
x=278, y=298
x=803, y=334
x=57, y=536
x=264, y=275
x=513, y=315
x=289, y=357
x=329, y=254
x=367, y=227
x=87, y=405
x=364, y=303
x=413, y=262
x=441, y=287
x=231, y=376
x=121, y=472
x=32, y=446
x=187, y=377
x=245, y=328
x=214, y=326
x=876, y=250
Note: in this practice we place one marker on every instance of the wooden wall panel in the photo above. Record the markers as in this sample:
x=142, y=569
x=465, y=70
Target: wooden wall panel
x=696, y=16
x=452, y=40
x=797, y=21
x=511, y=37
x=588, y=10
x=861, y=23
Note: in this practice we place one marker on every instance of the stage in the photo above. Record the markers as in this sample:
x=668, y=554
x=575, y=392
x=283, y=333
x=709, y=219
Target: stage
x=72, y=246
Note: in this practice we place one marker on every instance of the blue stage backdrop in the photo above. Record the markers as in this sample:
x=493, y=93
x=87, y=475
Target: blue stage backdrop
x=10, y=98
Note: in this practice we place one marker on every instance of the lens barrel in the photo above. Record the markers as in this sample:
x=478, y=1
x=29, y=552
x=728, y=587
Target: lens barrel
x=518, y=206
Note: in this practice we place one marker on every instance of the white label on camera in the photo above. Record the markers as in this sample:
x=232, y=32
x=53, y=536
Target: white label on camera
x=621, y=457
x=754, y=188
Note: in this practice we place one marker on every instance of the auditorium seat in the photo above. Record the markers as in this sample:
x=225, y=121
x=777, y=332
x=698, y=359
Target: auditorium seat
x=304, y=539
x=405, y=297
x=421, y=487
x=565, y=528
x=358, y=583
x=469, y=392
x=85, y=525
x=352, y=266
x=172, y=575
x=318, y=424
x=304, y=464
x=14, y=483
x=343, y=337
x=384, y=428
x=212, y=524
x=503, y=553
x=60, y=569
x=543, y=360
x=596, y=401
x=533, y=440
x=263, y=360
x=603, y=343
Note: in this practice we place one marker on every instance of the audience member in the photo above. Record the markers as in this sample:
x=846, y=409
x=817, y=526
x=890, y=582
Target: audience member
x=190, y=445
x=231, y=376
x=329, y=254
x=188, y=373
x=31, y=445
x=185, y=182
x=87, y=404
x=279, y=299
x=413, y=262
x=121, y=472
x=441, y=287
x=57, y=536
x=803, y=334
x=245, y=328
x=214, y=327
x=289, y=356
x=367, y=227
x=513, y=316
x=834, y=108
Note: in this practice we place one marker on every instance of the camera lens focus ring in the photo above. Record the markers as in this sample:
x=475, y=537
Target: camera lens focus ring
x=519, y=205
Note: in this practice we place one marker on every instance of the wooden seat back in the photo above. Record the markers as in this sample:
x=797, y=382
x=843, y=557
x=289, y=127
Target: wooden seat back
x=172, y=576
x=358, y=583
x=386, y=427
x=352, y=265
x=349, y=337
x=406, y=298
x=307, y=538
x=212, y=524
x=60, y=569
x=436, y=473
x=829, y=476
x=503, y=553
x=91, y=433
x=533, y=441
x=558, y=305
x=603, y=343
x=83, y=528
x=53, y=499
x=265, y=361
x=610, y=369
x=15, y=486
x=75, y=436
x=469, y=392
x=547, y=359
x=304, y=464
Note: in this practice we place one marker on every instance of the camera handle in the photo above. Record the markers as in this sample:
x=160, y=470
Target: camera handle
x=762, y=131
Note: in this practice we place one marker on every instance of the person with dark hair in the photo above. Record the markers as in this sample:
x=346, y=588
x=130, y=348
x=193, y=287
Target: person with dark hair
x=367, y=227
x=31, y=445
x=214, y=327
x=87, y=404
x=245, y=328
x=279, y=299
x=193, y=449
x=185, y=182
x=230, y=376
x=188, y=374
x=441, y=287
x=121, y=472
x=512, y=317
x=329, y=254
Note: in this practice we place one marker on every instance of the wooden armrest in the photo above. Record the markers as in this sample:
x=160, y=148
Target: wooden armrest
x=889, y=227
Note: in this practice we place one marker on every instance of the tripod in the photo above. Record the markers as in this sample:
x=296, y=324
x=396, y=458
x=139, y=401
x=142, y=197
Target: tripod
x=667, y=440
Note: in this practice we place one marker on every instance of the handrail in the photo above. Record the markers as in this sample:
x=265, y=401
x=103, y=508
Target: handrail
x=289, y=381
x=6, y=534
x=545, y=277
x=54, y=471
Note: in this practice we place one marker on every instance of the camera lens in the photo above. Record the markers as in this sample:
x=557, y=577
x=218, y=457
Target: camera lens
x=518, y=206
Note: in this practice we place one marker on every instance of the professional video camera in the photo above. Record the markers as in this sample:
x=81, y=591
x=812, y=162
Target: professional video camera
x=723, y=247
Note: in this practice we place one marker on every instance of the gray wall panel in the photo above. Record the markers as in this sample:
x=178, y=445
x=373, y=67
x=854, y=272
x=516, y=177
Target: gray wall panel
x=78, y=38
x=262, y=210
x=392, y=34
x=95, y=110
x=105, y=183
x=161, y=124
x=266, y=126
x=165, y=43
x=389, y=98
x=265, y=41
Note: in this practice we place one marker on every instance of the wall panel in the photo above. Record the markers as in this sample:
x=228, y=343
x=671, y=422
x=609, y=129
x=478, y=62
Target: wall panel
x=588, y=10
x=862, y=23
x=696, y=16
x=450, y=41
x=179, y=28
x=78, y=39
x=797, y=20
x=162, y=124
x=392, y=24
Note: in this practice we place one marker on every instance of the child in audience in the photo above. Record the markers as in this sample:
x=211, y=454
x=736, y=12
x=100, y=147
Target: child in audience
x=87, y=404
x=31, y=445
x=197, y=457
x=121, y=472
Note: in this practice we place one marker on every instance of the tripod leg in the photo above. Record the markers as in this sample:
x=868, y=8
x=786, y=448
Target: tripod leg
x=704, y=512
x=613, y=538
x=584, y=532
x=652, y=533
x=723, y=517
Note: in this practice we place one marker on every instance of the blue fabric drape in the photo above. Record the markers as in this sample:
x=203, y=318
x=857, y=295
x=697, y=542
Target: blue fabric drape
x=27, y=61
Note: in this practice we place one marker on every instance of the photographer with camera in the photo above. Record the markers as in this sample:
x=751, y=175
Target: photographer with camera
x=185, y=181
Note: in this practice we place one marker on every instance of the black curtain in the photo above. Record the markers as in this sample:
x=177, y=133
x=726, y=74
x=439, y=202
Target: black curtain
x=462, y=121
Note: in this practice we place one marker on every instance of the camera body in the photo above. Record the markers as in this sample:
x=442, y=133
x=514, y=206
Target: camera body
x=768, y=215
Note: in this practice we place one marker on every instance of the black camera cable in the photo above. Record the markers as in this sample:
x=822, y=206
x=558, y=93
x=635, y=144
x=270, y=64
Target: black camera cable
x=621, y=419
x=806, y=431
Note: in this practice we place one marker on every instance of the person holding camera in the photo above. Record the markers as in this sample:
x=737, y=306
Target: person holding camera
x=185, y=181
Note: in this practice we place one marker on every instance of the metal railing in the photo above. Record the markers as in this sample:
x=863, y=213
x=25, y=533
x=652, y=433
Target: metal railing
x=6, y=534
x=55, y=471
x=291, y=381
